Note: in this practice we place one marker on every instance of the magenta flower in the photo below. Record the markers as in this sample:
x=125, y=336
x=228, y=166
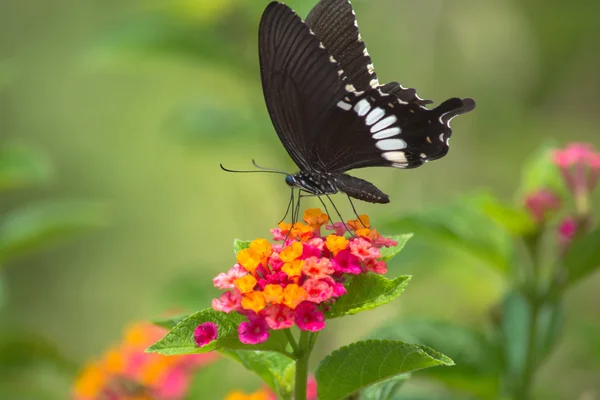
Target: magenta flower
x=347, y=262
x=205, y=333
x=541, y=203
x=579, y=164
x=567, y=230
x=309, y=317
x=338, y=227
x=279, y=316
x=253, y=331
x=378, y=267
x=229, y=301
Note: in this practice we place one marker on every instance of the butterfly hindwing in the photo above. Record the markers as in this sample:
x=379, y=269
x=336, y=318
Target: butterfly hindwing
x=300, y=79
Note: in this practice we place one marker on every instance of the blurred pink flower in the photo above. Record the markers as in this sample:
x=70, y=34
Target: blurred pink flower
x=579, y=164
x=541, y=203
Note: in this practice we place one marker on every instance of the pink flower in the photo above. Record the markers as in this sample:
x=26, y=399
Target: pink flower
x=347, y=262
x=378, y=267
x=338, y=288
x=338, y=227
x=363, y=249
x=205, y=333
x=279, y=316
x=384, y=242
x=253, y=331
x=317, y=242
x=225, y=281
x=567, y=230
x=318, y=267
x=318, y=290
x=580, y=165
x=174, y=384
x=309, y=251
x=309, y=317
x=541, y=203
x=229, y=301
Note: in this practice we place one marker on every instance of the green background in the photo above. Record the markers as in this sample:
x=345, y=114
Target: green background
x=134, y=104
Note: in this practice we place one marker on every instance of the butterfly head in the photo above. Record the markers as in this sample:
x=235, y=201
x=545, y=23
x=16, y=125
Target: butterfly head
x=289, y=179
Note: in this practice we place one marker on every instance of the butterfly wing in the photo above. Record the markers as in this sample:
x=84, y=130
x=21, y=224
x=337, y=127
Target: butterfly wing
x=301, y=81
x=334, y=23
x=373, y=128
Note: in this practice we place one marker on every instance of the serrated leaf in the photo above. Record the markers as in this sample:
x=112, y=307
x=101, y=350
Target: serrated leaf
x=275, y=369
x=34, y=225
x=170, y=322
x=540, y=172
x=463, y=227
x=387, y=253
x=478, y=360
x=367, y=291
x=384, y=390
x=21, y=167
x=583, y=256
x=180, y=340
x=354, y=367
x=239, y=245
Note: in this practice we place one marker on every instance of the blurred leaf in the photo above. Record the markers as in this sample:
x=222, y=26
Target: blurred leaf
x=366, y=292
x=275, y=369
x=478, y=362
x=354, y=367
x=387, y=253
x=196, y=125
x=514, y=220
x=21, y=167
x=239, y=245
x=384, y=390
x=20, y=350
x=34, y=225
x=551, y=318
x=462, y=226
x=171, y=322
x=515, y=334
x=583, y=256
x=3, y=291
x=539, y=172
x=180, y=340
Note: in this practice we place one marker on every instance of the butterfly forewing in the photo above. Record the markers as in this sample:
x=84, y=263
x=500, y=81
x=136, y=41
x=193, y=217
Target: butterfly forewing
x=301, y=81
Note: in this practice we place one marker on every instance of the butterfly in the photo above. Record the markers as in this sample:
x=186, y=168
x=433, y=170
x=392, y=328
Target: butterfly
x=330, y=111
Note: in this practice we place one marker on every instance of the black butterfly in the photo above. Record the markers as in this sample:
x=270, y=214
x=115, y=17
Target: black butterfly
x=329, y=109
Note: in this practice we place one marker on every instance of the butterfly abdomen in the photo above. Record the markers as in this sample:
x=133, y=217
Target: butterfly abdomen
x=360, y=189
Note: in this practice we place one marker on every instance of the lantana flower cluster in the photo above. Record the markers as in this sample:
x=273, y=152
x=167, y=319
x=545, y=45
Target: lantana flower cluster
x=267, y=394
x=128, y=372
x=292, y=282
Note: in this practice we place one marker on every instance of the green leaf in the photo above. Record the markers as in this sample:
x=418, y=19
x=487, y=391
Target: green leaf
x=239, y=245
x=3, y=291
x=583, y=256
x=387, y=253
x=539, y=172
x=21, y=167
x=171, y=322
x=367, y=291
x=514, y=220
x=180, y=340
x=478, y=361
x=35, y=225
x=463, y=227
x=384, y=390
x=354, y=367
x=275, y=369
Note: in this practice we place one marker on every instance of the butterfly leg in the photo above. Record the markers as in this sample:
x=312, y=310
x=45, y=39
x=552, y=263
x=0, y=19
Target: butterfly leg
x=355, y=213
x=287, y=210
x=339, y=215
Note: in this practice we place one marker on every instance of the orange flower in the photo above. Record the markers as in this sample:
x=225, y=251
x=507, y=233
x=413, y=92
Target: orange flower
x=336, y=243
x=294, y=295
x=273, y=294
x=262, y=394
x=293, y=268
x=361, y=223
x=262, y=247
x=315, y=218
x=291, y=253
x=301, y=231
x=254, y=301
x=249, y=259
x=245, y=284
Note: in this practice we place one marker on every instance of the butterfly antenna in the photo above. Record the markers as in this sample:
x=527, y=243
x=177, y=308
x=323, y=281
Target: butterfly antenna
x=355, y=213
x=268, y=169
x=272, y=171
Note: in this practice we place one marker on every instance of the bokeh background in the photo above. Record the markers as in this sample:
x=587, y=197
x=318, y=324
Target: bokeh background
x=115, y=116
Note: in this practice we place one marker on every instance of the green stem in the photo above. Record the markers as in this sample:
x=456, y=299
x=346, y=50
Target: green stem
x=531, y=360
x=292, y=341
x=302, y=366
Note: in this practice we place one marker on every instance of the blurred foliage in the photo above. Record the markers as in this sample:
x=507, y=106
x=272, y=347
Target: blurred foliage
x=139, y=102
